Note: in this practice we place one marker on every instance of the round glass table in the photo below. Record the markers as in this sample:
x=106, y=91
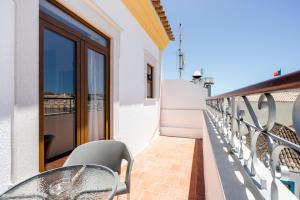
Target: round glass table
x=72, y=182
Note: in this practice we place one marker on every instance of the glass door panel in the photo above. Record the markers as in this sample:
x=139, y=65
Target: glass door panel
x=96, y=91
x=59, y=66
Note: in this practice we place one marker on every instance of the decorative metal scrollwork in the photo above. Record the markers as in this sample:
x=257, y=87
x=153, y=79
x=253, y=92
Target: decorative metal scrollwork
x=228, y=112
x=256, y=164
x=277, y=170
x=240, y=118
x=270, y=104
x=267, y=101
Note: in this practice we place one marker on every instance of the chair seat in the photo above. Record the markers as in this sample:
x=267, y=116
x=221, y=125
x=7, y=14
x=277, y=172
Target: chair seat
x=122, y=188
x=109, y=153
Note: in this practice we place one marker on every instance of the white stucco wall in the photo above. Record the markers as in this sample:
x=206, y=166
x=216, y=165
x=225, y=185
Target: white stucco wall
x=7, y=41
x=134, y=119
x=19, y=91
x=181, y=108
x=25, y=136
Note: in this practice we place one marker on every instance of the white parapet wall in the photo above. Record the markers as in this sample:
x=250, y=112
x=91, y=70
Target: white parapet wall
x=182, y=103
x=213, y=184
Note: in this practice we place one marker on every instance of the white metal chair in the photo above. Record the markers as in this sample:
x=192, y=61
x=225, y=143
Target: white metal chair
x=109, y=153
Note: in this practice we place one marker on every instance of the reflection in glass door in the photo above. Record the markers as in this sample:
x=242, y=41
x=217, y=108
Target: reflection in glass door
x=59, y=55
x=96, y=95
x=74, y=89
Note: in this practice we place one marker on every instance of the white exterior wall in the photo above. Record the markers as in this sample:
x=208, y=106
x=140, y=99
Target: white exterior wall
x=134, y=119
x=182, y=104
x=19, y=91
x=25, y=136
x=7, y=9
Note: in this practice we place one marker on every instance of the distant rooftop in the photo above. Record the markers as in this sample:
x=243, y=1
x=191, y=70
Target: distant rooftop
x=287, y=156
x=278, y=97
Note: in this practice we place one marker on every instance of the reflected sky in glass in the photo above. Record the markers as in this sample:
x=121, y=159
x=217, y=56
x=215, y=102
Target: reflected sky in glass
x=59, y=64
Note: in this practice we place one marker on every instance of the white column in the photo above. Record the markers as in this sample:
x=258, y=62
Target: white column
x=25, y=155
x=7, y=44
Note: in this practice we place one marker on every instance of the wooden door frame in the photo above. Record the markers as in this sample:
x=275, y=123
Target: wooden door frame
x=82, y=42
x=62, y=32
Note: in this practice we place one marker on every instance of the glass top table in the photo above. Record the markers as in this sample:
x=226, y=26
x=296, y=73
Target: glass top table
x=72, y=182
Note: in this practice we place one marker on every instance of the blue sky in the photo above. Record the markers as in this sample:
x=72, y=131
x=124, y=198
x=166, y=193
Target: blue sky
x=238, y=42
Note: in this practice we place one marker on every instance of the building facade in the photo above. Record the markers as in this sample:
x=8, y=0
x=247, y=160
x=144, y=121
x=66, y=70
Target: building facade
x=80, y=65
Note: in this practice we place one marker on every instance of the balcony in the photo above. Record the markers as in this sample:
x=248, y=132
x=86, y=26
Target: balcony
x=249, y=149
x=162, y=171
x=71, y=64
x=170, y=168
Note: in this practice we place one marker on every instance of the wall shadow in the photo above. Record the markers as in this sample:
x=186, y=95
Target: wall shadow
x=197, y=187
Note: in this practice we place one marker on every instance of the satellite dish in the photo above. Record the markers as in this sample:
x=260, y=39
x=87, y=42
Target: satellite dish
x=197, y=74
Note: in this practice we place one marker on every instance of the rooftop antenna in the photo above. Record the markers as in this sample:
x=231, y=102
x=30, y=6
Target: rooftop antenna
x=180, y=54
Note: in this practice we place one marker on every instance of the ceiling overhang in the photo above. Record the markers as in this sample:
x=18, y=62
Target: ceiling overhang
x=151, y=17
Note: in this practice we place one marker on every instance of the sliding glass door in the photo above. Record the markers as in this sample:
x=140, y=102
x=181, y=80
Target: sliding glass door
x=59, y=92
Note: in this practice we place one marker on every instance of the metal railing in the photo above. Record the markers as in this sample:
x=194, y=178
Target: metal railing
x=67, y=105
x=59, y=105
x=228, y=115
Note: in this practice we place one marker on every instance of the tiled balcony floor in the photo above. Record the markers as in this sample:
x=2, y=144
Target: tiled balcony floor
x=57, y=163
x=170, y=168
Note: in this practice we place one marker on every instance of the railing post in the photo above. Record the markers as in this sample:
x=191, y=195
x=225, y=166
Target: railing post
x=232, y=124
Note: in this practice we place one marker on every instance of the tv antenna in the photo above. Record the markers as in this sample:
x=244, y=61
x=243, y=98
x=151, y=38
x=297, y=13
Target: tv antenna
x=180, y=54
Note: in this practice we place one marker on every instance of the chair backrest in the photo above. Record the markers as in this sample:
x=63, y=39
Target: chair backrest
x=109, y=153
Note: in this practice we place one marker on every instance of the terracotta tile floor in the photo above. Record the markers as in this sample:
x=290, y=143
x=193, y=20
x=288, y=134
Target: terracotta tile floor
x=170, y=168
x=55, y=164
